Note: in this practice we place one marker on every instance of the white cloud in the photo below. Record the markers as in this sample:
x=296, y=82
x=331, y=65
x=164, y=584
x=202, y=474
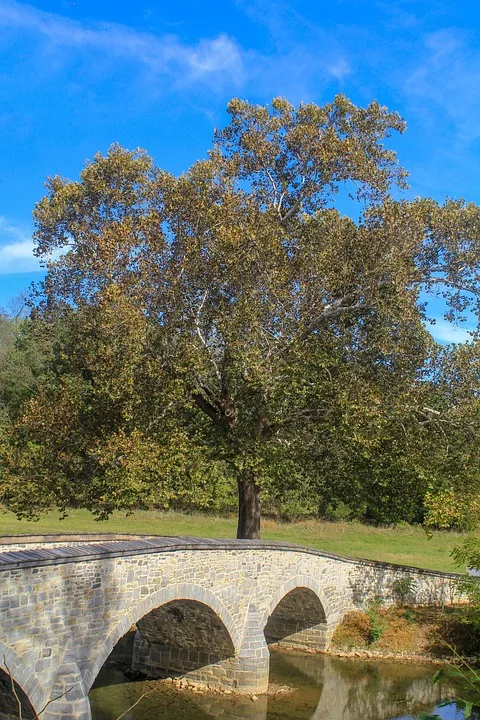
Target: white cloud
x=340, y=69
x=446, y=332
x=16, y=249
x=161, y=54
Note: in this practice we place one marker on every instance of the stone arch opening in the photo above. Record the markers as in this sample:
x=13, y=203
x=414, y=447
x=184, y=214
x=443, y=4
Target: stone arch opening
x=299, y=620
x=181, y=637
x=120, y=640
x=9, y=700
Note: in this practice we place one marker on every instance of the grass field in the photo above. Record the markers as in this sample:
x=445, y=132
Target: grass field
x=405, y=545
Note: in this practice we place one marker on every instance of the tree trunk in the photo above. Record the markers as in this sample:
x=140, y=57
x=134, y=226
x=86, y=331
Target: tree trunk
x=248, y=508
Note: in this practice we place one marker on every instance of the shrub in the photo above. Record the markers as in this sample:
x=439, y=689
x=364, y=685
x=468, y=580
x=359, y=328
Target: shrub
x=403, y=588
x=377, y=620
x=354, y=631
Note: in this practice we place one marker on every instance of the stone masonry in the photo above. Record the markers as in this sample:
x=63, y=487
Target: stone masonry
x=206, y=609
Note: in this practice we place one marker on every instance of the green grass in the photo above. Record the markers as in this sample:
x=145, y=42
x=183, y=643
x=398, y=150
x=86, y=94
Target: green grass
x=405, y=544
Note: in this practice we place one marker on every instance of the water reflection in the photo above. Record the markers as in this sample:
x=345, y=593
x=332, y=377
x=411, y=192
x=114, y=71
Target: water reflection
x=324, y=688
x=368, y=690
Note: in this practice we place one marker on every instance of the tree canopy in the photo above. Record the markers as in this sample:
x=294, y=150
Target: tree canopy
x=234, y=317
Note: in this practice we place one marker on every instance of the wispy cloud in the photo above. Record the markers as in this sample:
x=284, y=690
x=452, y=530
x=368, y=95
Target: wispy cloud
x=164, y=54
x=447, y=333
x=299, y=67
x=16, y=249
x=340, y=68
x=306, y=57
x=448, y=77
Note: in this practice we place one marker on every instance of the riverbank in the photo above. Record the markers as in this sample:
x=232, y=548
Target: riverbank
x=424, y=634
x=405, y=545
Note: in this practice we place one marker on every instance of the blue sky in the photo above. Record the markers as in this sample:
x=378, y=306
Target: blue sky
x=76, y=76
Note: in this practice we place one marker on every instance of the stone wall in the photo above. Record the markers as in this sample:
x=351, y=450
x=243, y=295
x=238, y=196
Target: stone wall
x=369, y=580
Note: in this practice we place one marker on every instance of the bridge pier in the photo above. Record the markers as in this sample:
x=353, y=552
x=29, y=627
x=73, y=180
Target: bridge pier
x=69, y=696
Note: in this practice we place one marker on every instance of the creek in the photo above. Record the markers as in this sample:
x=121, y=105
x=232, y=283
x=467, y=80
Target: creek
x=302, y=687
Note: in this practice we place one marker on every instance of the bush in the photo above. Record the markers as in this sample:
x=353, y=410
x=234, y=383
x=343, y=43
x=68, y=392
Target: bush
x=448, y=510
x=355, y=630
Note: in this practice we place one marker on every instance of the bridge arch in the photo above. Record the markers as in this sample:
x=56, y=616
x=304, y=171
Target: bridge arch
x=186, y=592
x=14, y=667
x=299, y=614
x=301, y=581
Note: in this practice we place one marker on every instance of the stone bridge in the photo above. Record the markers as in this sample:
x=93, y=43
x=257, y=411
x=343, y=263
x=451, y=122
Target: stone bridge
x=207, y=609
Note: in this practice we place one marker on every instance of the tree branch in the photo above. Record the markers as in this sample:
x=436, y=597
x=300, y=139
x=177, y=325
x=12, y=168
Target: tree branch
x=332, y=310
x=447, y=281
x=293, y=209
x=274, y=187
x=18, y=701
x=57, y=697
x=209, y=409
x=202, y=339
x=134, y=704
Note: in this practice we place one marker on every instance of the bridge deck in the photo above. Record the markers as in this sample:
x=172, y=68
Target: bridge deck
x=82, y=549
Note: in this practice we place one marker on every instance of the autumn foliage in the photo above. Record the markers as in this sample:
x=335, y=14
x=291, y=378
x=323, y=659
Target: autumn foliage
x=231, y=322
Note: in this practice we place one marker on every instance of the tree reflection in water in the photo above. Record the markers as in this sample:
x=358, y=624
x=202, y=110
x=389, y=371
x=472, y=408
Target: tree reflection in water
x=325, y=688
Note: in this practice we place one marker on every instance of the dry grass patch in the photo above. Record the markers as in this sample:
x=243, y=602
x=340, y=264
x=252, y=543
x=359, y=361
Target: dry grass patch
x=406, y=630
x=355, y=630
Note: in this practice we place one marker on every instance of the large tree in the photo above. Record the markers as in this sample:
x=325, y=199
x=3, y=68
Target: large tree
x=237, y=302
